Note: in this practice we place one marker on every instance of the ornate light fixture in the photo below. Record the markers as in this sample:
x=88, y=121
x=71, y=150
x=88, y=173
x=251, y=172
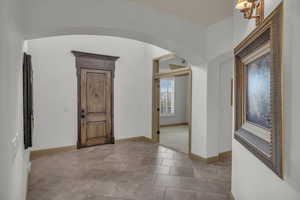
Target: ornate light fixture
x=248, y=6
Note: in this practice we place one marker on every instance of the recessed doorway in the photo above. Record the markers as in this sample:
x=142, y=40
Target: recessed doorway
x=172, y=90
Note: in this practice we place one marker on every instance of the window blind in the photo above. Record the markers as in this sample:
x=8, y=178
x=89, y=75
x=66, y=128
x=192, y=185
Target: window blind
x=167, y=96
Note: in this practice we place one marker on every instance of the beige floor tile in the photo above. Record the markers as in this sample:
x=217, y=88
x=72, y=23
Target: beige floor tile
x=127, y=171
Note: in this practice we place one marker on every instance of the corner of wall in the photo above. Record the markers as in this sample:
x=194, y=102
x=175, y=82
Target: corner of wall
x=199, y=111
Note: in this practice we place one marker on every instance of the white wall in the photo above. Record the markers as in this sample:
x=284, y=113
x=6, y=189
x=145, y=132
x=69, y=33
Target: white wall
x=251, y=179
x=291, y=91
x=13, y=160
x=225, y=108
x=181, y=91
x=55, y=87
x=122, y=18
x=218, y=49
x=199, y=110
x=215, y=142
x=213, y=93
x=219, y=39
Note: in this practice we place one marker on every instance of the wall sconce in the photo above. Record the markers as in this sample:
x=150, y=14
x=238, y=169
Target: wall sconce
x=248, y=6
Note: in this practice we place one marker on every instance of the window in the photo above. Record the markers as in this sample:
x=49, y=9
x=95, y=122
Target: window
x=167, y=96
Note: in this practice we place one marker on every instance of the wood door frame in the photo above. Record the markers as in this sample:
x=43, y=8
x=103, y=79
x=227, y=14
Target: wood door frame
x=97, y=62
x=156, y=76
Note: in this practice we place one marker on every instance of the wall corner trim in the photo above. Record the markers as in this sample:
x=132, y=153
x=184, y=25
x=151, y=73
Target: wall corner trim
x=52, y=151
x=212, y=159
x=134, y=139
x=231, y=197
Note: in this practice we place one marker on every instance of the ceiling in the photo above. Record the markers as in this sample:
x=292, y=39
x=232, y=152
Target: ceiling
x=203, y=12
x=165, y=64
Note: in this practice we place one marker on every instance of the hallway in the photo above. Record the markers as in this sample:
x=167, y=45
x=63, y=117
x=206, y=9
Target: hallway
x=127, y=171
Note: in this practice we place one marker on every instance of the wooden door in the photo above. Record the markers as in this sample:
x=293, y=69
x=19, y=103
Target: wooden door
x=96, y=107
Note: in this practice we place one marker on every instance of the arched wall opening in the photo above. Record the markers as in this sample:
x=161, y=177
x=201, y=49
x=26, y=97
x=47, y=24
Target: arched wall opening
x=120, y=18
x=55, y=87
x=128, y=19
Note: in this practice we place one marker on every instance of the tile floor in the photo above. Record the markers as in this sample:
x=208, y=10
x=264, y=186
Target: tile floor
x=176, y=137
x=128, y=171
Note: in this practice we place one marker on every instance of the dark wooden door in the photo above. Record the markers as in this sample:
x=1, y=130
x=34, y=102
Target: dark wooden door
x=96, y=107
x=27, y=101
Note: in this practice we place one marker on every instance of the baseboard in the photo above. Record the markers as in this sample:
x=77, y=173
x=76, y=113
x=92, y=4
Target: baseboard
x=196, y=157
x=211, y=159
x=46, y=152
x=231, y=197
x=227, y=154
x=134, y=139
x=207, y=160
x=177, y=124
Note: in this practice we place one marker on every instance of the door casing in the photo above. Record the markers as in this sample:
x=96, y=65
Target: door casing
x=94, y=62
x=156, y=96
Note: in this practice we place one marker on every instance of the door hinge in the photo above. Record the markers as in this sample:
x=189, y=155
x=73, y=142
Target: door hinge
x=158, y=109
x=158, y=132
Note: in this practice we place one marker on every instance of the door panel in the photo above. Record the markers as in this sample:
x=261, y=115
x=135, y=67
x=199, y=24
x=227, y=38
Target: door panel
x=95, y=117
x=96, y=129
x=96, y=93
x=96, y=114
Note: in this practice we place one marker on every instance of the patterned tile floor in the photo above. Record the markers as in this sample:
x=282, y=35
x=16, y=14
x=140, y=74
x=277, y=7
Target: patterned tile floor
x=128, y=171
